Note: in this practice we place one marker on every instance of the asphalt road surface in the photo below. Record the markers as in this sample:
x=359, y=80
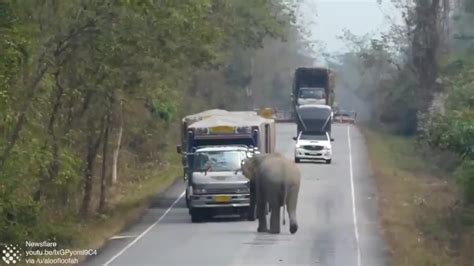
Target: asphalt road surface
x=337, y=215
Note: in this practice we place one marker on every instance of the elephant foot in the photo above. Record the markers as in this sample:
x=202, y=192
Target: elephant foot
x=293, y=228
x=274, y=231
x=262, y=229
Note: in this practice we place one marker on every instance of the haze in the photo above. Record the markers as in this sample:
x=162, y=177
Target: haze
x=326, y=19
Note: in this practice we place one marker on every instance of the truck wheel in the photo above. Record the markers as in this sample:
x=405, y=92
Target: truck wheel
x=187, y=200
x=328, y=161
x=251, y=214
x=297, y=160
x=196, y=216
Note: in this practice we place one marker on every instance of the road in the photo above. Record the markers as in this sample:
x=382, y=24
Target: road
x=337, y=215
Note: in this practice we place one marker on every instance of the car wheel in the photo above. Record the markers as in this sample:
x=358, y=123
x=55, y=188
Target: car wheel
x=328, y=161
x=297, y=160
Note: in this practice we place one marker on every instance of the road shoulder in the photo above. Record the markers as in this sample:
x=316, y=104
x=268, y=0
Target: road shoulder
x=418, y=209
x=144, y=217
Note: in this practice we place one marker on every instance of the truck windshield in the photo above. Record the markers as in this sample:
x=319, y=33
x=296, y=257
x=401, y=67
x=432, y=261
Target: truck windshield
x=313, y=136
x=218, y=161
x=311, y=93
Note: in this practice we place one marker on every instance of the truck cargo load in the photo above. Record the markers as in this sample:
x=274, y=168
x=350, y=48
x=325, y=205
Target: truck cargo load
x=219, y=117
x=239, y=129
x=313, y=118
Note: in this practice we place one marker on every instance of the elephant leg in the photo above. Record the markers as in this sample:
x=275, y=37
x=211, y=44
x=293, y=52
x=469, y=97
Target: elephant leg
x=291, y=202
x=275, y=219
x=253, y=201
x=261, y=208
x=262, y=219
x=275, y=214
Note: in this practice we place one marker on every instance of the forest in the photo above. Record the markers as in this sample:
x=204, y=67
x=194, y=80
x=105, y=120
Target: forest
x=92, y=93
x=417, y=79
x=414, y=84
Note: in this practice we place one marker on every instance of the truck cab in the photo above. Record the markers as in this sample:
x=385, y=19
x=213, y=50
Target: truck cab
x=309, y=95
x=216, y=181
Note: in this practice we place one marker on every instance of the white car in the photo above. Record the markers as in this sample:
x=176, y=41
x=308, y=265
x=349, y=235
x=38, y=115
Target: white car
x=313, y=146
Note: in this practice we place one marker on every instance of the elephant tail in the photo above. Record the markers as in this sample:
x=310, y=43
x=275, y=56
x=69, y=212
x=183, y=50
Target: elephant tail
x=284, y=201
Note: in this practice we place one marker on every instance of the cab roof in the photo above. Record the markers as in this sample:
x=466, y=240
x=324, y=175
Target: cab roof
x=217, y=112
x=222, y=148
x=314, y=106
x=235, y=120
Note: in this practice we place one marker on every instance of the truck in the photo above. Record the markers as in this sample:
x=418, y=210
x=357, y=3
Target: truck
x=190, y=119
x=224, y=139
x=313, y=99
x=313, y=86
x=216, y=182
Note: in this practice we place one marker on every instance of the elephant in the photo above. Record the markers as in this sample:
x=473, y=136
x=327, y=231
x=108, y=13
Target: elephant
x=277, y=182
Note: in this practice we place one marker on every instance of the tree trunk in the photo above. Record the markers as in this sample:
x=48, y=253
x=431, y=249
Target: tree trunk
x=54, y=165
x=92, y=148
x=425, y=45
x=117, y=147
x=103, y=180
x=13, y=138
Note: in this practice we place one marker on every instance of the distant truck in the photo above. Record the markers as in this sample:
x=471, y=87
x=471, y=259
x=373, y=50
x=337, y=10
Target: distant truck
x=224, y=139
x=313, y=99
x=313, y=86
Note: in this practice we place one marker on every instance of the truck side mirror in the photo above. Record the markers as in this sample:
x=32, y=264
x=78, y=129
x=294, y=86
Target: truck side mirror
x=294, y=138
x=332, y=139
x=185, y=174
x=178, y=148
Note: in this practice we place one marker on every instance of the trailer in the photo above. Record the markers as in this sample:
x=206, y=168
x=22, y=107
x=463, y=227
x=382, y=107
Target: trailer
x=233, y=129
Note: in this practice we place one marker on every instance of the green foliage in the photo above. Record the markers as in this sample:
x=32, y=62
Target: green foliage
x=69, y=70
x=454, y=129
x=465, y=176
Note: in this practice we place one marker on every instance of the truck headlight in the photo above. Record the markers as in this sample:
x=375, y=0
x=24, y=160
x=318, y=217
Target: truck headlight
x=198, y=191
x=243, y=130
x=243, y=190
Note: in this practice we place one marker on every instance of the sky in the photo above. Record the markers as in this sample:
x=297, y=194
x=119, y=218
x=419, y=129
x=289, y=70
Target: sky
x=326, y=19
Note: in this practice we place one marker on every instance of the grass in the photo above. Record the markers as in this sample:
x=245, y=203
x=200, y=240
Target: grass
x=423, y=220
x=130, y=201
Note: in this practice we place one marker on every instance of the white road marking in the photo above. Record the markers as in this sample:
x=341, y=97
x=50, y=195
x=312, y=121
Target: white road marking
x=144, y=232
x=354, y=209
x=121, y=237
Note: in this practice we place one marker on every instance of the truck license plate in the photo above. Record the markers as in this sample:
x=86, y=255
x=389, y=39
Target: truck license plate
x=222, y=198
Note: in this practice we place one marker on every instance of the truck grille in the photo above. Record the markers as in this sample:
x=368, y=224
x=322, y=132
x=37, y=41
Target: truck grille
x=221, y=190
x=215, y=190
x=313, y=147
